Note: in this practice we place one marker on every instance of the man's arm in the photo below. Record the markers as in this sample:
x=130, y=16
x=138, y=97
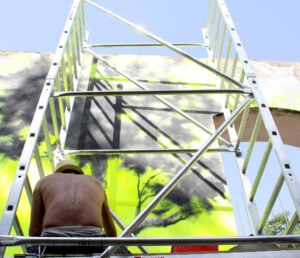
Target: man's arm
x=37, y=213
x=108, y=222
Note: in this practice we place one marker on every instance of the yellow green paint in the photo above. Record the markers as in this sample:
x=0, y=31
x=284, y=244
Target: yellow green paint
x=123, y=186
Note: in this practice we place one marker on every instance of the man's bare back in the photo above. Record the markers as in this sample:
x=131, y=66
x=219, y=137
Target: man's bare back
x=67, y=199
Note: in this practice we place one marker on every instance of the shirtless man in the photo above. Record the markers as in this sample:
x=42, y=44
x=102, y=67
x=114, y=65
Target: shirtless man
x=69, y=203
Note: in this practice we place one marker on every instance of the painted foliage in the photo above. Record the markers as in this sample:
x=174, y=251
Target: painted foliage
x=197, y=206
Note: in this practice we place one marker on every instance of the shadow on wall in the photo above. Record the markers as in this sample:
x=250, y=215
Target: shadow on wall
x=139, y=122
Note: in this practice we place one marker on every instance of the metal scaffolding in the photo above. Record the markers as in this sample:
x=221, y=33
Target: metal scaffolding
x=233, y=82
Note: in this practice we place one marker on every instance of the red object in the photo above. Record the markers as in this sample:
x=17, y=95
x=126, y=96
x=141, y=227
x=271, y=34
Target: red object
x=194, y=248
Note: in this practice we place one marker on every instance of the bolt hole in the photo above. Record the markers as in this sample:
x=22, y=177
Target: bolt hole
x=10, y=207
x=274, y=133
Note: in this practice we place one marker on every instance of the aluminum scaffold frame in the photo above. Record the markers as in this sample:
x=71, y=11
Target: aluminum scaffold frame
x=235, y=81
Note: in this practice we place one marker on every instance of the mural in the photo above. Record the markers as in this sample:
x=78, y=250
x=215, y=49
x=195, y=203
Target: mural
x=198, y=206
x=22, y=76
x=143, y=122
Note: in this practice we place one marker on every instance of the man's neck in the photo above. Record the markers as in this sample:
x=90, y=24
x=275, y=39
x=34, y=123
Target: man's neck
x=70, y=171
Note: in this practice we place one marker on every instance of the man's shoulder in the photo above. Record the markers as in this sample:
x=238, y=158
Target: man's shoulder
x=56, y=176
x=43, y=179
x=92, y=178
x=48, y=178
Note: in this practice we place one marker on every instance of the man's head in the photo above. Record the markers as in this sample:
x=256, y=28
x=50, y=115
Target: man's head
x=65, y=166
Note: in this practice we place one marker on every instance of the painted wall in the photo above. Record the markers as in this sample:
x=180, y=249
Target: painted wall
x=199, y=205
